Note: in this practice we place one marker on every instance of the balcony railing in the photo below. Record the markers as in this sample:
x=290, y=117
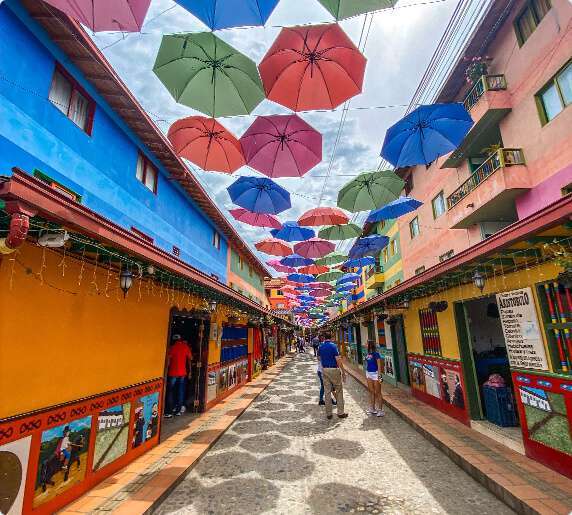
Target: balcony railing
x=501, y=158
x=485, y=83
x=376, y=269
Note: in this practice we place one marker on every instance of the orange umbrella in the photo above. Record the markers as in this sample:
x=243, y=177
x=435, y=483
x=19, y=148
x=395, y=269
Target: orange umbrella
x=206, y=143
x=274, y=247
x=313, y=269
x=323, y=216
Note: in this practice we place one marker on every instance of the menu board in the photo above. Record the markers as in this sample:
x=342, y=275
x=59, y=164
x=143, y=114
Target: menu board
x=524, y=343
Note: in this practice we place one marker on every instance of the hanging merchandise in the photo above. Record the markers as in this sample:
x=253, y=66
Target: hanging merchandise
x=282, y=146
x=203, y=72
x=103, y=15
x=340, y=232
x=291, y=231
x=206, y=143
x=370, y=190
x=314, y=248
x=255, y=219
x=342, y=9
x=368, y=246
x=428, y=132
x=323, y=216
x=312, y=67
x=395, y=209
x=259, y=195
x=296, y=260
x=331, y=259
x=273, y=247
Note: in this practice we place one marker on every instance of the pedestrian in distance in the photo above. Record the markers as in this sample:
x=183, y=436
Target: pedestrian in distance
x=374, y=379
x=333, y=375
x=315, y=345
x=179, y=357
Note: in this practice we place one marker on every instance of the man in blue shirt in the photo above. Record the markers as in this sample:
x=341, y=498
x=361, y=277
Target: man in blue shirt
x=333, y=375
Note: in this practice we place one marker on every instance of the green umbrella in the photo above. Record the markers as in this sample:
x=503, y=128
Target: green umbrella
x=203, y=72
x=340, y=232
x=342, y=9
x=331, y=259
x=332, y=275
x=370, y=190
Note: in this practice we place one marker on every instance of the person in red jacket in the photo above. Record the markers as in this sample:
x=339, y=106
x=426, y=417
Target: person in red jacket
x=178, y=369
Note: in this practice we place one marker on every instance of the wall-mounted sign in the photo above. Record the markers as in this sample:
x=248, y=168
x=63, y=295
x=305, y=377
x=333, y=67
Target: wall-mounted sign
x=521, y=329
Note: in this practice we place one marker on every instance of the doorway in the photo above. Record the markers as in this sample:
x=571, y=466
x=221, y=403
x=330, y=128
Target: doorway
x=400, y=349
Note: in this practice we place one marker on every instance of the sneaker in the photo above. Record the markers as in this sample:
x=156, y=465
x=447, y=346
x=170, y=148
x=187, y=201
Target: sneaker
x=334, y=403
x=329, y=417
x=343, y=415
x=183, y=409
x=168, y=415
x=371, y=411
x=380, y=413
x=178, y=414
x=322, y=403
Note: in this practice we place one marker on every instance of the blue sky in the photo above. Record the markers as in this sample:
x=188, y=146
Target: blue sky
x=400, y=44
x=76, y=425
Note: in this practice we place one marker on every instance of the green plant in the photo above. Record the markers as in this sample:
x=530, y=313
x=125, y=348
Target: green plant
x=491, y=149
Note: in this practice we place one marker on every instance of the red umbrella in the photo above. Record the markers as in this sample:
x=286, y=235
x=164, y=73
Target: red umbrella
x=313, y=269
x=206, y=143
x=314, y=248
x=323, y=216
x=288, y=287
x=312, y=67
x=274, y=247
x=255, y=219
x=279, y=267
x=320, y=292
x=322, y=286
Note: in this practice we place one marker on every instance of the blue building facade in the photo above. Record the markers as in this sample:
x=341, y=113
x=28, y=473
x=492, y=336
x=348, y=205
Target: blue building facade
x=98, y=162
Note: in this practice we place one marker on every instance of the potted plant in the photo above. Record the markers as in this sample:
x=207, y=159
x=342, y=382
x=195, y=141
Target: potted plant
x=476, y=69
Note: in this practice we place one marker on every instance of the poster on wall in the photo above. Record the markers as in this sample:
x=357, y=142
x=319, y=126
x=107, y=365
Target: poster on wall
x=431, y=373
x=451, y=389
x=417, y=375
x=145, y=419
x=214, y=333
x=63, y=459
x=13, y=467
x=521, y=330
x=388, y=365
x=112, y=435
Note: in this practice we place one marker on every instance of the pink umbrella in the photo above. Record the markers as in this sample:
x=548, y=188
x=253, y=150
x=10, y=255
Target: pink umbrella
x=282, y=146
x=255, y=219
x=323, y=216
x=274, y=263
x=320, y=292
x=314, y=248
x=274, y=247
x=322, y=286
x=101, y=15
x=313, y=269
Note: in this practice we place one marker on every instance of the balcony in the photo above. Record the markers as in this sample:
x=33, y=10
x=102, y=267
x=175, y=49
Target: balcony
x=488, y=102
x=488, y=194
x=374, y=277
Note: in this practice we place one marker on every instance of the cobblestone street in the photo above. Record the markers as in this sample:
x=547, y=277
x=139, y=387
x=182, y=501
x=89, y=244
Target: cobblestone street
x=283, y=456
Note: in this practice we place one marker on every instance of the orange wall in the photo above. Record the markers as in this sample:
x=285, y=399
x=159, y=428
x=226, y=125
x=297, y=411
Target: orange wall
x=61, y=341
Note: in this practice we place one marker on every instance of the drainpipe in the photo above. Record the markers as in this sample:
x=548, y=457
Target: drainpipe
x=19, y=226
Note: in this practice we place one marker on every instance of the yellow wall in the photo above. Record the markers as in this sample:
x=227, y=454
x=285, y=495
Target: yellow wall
x=61, y=341
x=446, y=319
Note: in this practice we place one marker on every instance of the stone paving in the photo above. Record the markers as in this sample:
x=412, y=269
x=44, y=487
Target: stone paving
x=282, y=456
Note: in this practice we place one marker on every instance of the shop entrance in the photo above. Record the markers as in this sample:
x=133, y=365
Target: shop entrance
x=400, y=349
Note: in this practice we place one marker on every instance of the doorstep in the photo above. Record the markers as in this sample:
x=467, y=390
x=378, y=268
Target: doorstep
x=141, y=486
x=523, y=484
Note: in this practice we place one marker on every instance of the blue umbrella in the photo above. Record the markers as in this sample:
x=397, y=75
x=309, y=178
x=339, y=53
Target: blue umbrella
x=425, y=134
x=296, y=260
x=359, y=262
x=291, y=231
x=302, y=288
x=259, y=195
x=301, y=278
x=347, y=278
x=223, y=14
x=306, y=297
x=345, y=287
x=395, y=209
x=368, y=246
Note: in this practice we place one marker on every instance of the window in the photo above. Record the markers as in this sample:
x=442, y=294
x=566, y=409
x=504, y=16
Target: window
x=176, y=251
x=279, y=293
x=146, y=173
x=249, y=270
x=393, y=248
x=69, y=98
x=385, y=255
x=414, y=227
x=527, y=21
x=420, y=270
x=216, y=240
x=438, y=204
x=567, y=190
x=448, y=255
x=556, y=95
x=430, y=332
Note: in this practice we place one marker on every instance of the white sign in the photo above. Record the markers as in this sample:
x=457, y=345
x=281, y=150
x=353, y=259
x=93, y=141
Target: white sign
x=521, y=330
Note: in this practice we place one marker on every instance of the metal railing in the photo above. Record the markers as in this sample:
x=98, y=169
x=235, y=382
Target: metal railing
x=375, y=269
x=485, y=83
x=501, y=158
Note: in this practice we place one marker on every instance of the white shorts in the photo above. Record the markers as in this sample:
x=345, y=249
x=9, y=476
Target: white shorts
x=372, y=375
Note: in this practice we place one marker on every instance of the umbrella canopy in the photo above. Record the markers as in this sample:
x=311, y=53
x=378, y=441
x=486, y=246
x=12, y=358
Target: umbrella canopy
x=314, y=248
x=203, y=72
x=395, y=209
x=359, y=262
x=259, y=195
x=99, y=15
x=428, y=132
x=331, y=259
x=368, y=246
x=323, y=216
x=313, y=269
x=291, y=231
x=345, y=287
x=255, y=219
x=320, y=292
x=274, y=247
x=301, y=278
x=342, y=9
x=274, y=263
x=206, y=143
x=312, y=67
x=332, y=275
x=282, y=146
x=370, y=190
x=223, y=14
x=340, y=232
x=296, y=260
x=346, y=278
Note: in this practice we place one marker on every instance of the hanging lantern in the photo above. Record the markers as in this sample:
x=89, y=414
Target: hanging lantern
x=479, y=280
x=125, y=281
x=405, y=303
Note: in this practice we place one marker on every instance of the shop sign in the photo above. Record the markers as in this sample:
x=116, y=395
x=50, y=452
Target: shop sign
x=524, y=343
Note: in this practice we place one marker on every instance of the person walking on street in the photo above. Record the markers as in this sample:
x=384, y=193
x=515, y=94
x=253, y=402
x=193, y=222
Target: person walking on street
x=333, y=375
x=320, y=372
x=179, y=356
x=315, y=345
x=373, y=376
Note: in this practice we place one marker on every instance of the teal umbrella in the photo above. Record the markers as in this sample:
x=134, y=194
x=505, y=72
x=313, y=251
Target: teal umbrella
x=332, y=275
x=203, y=72
x=370, y=190
x=331, y=259
x=340, y=232
x=342, y=9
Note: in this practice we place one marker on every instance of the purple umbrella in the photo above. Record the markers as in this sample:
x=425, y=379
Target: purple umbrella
x=282, y=146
